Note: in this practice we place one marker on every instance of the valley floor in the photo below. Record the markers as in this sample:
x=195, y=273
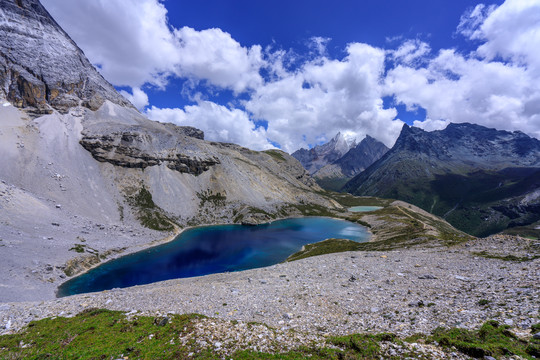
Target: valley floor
x=404, y=291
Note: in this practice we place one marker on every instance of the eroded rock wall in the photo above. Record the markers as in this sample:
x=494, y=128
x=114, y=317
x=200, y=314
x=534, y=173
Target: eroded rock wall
x=41, y=67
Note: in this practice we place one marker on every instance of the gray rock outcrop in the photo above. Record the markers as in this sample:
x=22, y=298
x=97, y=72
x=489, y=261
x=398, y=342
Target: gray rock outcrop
x=41, y=67
x=134, y=147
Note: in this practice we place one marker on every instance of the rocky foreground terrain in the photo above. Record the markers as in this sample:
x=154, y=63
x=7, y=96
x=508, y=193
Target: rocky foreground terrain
x=403, y=291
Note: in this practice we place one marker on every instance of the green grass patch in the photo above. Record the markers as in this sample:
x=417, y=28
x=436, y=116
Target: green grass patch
x=105, y=334
x=487, y=255
x=121, y=212
x=276, y=154
x=81, y=248
x=148, y=213
x=78, y=248
x=155, y=220
x=395, y=242
x=254, y=210
x=98, y=334
x=238, y=218
x=143, y=199
x=314, y=210
x=362, y=345
x=218, y=199
x=491, y=340
x=327, y=246
x=349, y=200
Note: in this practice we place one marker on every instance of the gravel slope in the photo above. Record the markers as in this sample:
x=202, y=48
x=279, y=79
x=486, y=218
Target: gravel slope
x=407, y=291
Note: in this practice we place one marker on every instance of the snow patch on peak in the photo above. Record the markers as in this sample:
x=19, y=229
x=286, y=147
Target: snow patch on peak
x=342, y=142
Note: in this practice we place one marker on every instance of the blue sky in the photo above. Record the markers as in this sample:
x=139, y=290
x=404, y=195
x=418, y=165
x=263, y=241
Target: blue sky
x=293, y=73
x=291, y=24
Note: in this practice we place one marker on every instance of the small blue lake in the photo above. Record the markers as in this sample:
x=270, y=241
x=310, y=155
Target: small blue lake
x=213, y=249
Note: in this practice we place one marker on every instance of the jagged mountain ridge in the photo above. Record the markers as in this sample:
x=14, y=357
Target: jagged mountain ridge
x=481, y=180
x=333, y=176
x=41, y=67
x=321, y=155
x=83, y=172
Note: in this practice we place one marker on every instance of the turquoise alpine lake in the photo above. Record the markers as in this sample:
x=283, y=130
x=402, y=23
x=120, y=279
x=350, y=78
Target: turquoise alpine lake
x=364, y=208
x=213, y=249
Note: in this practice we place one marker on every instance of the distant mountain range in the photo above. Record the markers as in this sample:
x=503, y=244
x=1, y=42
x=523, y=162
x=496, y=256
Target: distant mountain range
x=321, y=155
x=334, y=175
x=479, y=179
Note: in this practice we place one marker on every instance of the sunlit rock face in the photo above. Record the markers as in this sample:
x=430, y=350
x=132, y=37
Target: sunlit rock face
x=41, y=67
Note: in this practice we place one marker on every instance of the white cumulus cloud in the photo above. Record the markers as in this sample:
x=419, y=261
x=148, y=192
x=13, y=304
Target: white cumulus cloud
x=137, y=97
x=324, y=97
x=512, y=31
x=215, y=56
x=473, y=18
x=479, y=87
x=218, y=122
x=411, y=52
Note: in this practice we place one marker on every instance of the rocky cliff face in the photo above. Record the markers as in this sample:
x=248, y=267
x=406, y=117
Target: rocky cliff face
x=481, y=180
x=333, y=176
x=486, y=148
x=84, y=174
x=41, y=68
x=135, y=147
x=321, y=155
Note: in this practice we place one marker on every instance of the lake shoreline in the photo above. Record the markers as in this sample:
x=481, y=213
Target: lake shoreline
x=269, y=244
x=177, y=232
x=336, y=293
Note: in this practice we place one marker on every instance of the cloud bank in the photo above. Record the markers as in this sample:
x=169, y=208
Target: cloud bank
x=219, y=123
x=496, y=85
